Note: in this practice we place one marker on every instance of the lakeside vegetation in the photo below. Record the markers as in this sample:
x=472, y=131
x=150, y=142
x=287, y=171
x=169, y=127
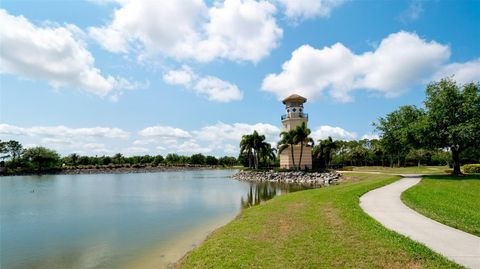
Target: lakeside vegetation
x=319, y=228
x=453, y=201
x=17, y=160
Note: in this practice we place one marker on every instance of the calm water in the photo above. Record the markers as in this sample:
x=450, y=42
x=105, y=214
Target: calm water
x=108, y=220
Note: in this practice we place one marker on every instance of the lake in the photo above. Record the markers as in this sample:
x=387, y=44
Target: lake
x=146, y=220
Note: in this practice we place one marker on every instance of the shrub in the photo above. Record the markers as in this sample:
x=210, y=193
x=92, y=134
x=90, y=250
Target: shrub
x=471, y=168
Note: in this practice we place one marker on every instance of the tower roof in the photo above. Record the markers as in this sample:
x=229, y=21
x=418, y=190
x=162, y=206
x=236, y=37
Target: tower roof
x=295, y=98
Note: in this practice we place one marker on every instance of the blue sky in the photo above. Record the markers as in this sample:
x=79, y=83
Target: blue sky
x=152, y=77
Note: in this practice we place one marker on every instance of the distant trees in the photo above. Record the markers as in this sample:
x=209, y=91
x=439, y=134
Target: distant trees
x=14, y=159
x=41, y=159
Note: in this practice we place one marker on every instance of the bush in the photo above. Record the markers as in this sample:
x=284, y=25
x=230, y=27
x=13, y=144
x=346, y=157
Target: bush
x=471, y=168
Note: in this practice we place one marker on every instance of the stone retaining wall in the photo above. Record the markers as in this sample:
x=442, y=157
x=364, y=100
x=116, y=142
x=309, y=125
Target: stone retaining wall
x=326, y=178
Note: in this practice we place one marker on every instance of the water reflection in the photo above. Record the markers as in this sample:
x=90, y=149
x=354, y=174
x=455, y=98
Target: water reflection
x=263, y=191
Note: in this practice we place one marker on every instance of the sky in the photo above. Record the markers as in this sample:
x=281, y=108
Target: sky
x=191, y=76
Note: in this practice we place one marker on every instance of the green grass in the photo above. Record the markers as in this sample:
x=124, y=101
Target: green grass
x=319, y=228
x=403, y=170
x=454, y=201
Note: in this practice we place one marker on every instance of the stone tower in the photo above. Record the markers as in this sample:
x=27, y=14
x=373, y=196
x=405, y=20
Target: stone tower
x=294, y=117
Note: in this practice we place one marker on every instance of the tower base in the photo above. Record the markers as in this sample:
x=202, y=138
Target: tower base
x=286, y=161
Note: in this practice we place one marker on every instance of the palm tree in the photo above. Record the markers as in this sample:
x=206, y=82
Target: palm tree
x=258, y=142
x=302, y=136
x=267, y=152
x=288, y=140
x=246, y=146
x=325, y=149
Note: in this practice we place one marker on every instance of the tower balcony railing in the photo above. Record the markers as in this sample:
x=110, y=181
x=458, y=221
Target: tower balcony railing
x=296, y=115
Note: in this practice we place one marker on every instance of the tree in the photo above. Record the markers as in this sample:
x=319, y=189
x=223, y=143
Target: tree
x=12, y=148
x=302, y=137
x=227, y=161
x=267, y=153
x=74, y=159
x=401, y=131
x=453, y=117
x=158, y=160
x=197, y=159
x=287, y=140
x=246, y=147
x=324, y=150
x=419, y=155
x=41, y=159
x=172, y=158
x=3, y=150
x=211, y=160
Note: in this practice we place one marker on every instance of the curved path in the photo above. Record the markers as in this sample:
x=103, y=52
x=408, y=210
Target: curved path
x=384, y=205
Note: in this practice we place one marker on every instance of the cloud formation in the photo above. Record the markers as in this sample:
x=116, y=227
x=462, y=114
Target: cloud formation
x=401, y=61
x=238, y=30
x=337, y=133
x=54, y=54
x=308, y=9
x=213, y=88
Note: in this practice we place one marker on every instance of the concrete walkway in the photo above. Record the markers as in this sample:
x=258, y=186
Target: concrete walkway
x=384, y=205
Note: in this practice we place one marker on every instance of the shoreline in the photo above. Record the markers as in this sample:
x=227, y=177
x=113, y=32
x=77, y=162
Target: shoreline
x=120, y=170
x=169, y=254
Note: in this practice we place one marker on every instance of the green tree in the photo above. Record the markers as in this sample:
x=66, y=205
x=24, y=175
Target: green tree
x=13, y=148
x=324, y=151
x=41, y=159
x=158, y=160
x=453, y=117
x=401, y=131
x=246, y=148
x=197, y=159
x=211, y=160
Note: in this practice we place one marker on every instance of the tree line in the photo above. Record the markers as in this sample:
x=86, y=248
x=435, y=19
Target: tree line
x=14, y=159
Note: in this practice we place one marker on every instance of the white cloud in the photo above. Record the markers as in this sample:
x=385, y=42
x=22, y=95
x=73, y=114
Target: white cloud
x=53, y=54
x=337, y=133
x=190, y=146
x=213, y=88
x=401, y=61
x=307, y=9
x=91, y=141
x=164, y=132
x=240, y=30
x=222, y=132
x=462, y=72
x=62, y=131
x=183, y=77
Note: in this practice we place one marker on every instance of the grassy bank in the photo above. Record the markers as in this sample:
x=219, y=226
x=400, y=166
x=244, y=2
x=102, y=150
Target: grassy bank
x=403, y=170
x=454, y=201
x=320, y=228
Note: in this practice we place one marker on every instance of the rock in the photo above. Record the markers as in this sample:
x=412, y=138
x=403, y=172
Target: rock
x=316, y=178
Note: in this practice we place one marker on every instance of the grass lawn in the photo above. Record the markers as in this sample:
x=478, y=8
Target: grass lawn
x=454, y=201
x=403, y=170
x=319, y=228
